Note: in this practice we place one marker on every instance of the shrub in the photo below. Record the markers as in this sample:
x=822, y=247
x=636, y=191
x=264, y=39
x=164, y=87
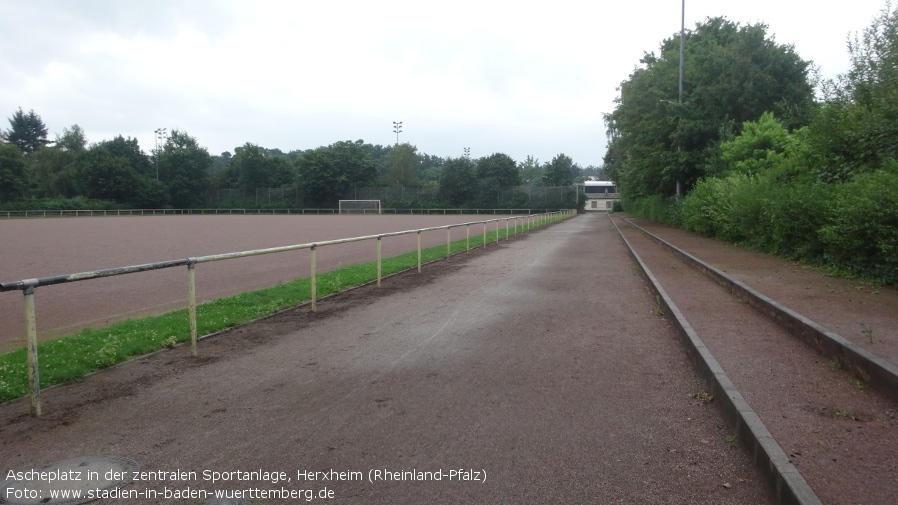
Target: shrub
x=863, y=235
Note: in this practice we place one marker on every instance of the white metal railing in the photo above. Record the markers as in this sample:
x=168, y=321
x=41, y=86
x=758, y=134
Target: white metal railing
x=28, y=286
x=22, y=214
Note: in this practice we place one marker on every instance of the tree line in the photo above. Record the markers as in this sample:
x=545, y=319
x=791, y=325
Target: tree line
x=765, y=153
x=69, y=172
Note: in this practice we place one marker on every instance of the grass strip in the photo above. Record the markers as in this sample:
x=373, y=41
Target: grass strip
x=74, y=356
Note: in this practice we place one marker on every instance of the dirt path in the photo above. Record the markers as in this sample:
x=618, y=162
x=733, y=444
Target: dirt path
x=839, y=435
x=538, y=364
x=859, y=311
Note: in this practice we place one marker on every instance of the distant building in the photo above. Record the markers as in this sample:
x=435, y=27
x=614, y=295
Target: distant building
x=600, y=195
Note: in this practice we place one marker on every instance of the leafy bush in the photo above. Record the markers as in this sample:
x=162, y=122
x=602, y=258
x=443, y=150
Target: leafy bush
x=797, y=213
x=655, y=208
x=863, y=235
x=706, y=210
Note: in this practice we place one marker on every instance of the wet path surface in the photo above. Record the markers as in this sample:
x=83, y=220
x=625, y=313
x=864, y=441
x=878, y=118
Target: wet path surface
x=539, y=364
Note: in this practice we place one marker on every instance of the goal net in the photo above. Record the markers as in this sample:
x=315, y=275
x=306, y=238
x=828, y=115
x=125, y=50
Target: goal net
x=359, y=206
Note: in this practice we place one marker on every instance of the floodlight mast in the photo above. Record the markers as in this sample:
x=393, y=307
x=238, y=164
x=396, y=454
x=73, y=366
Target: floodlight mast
x=160, y=135
x=680, y=95
x=397, y=129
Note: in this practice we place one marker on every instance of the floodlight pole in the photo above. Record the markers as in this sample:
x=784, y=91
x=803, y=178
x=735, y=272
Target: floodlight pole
x=397, y=129
x=680, y=95
x=160, y=135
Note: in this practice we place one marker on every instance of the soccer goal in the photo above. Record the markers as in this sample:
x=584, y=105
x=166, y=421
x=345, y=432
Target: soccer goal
x=359, y=206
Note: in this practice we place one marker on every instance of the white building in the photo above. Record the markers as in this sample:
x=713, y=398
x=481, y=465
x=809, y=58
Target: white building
x=600, y=195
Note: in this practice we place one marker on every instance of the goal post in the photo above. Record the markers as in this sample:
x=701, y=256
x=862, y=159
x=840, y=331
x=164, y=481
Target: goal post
x=359, y=206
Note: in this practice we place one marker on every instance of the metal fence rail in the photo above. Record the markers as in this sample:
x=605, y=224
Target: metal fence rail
x=28, y=286
x=30, y=214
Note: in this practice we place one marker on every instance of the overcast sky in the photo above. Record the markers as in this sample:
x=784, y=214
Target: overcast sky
x=521, y=78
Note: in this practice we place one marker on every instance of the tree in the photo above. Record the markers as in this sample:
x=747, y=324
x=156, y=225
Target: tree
x=72, y=139
x=429, y=168
x=531, y=172
x=27, y=131
x=12, y=172
x=402, y=166
x=855, y=131
x=130, y=150
x=103, y=175
x=560, y=171
x=733, y=74
x=499, y=169
x=760, y=147
x=256, y=167
x=183, y=169
x=457, y=181
x=326, y=174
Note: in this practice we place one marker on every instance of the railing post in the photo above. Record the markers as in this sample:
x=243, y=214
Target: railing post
x=498, y=235
x=419, y=251
x=506, y=228
x=313, y=278
x=467, y=237
x=484, y=234
x=379, y=270
x=448, y=242
x=31, y=332
x=191, y=302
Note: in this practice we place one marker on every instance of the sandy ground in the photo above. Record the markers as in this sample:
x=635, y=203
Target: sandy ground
x=537, y=365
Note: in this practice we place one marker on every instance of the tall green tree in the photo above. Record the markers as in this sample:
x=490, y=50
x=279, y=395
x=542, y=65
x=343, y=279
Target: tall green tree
x=183, y=169
x=103, y=175
x=27, y=131
x=402, y=166
x=497, y=170
x=560, y=171
x=72, y=139
x=857, y=130
x=761, y=147
x=326, y=174
x=733, y=74
x=531, y=172
x=458, y=184
x=429, y=168
x=50, y=169
x=256, y=167
x=131, y=151
x=12, y=172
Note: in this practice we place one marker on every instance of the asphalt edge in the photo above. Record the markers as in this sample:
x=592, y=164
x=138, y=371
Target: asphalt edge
x=863, y=364
x=788, y=485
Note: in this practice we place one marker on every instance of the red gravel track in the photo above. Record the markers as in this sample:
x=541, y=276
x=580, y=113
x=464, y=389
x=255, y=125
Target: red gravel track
x=33, y=248
x=537, y=362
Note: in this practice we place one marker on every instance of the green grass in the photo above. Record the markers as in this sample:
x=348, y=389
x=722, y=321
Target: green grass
x=91, y=349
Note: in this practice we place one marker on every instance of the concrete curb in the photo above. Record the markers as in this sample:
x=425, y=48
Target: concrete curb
x=784, y=480
x=863, y=364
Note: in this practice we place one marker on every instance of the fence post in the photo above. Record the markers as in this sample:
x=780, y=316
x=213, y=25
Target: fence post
x=498, y=235
x=484, y=234
x=31, y=331
x=191, y=302
x=312, y=278
x=419, y=251
x=379, y=270
x=506, y=228
x=448, y=242
x=467, y=237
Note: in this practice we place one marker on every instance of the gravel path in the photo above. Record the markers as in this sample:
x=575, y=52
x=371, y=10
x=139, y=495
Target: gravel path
x=840, y=435
x=538, y=363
